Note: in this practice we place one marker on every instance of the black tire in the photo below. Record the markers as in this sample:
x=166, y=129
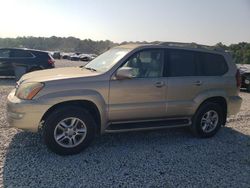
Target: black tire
x=60, y=114
x=196, y=126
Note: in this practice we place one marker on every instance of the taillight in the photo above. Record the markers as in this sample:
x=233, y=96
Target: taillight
x=51, y=61
x=238, y=78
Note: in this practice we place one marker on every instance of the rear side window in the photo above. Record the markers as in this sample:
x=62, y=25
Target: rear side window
x=211, y=64
x=4, y=53
x=181, y=63
x=41, y=54
x=21, y=54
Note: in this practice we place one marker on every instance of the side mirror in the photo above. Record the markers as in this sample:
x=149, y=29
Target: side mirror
x=124, y=73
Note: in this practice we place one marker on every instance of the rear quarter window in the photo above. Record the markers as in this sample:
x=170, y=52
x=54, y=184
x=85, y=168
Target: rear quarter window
x=41, y=55
x=211, y=64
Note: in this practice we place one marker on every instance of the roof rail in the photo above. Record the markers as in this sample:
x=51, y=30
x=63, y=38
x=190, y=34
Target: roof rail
x=192, y=45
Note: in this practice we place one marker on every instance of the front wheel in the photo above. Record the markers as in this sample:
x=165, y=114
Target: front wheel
x=208, y=120
x=68, y=130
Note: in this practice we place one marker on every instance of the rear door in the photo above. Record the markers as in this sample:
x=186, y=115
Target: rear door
x=21, y=58
x=6, y=68
x=191, y=73
x=183, y=81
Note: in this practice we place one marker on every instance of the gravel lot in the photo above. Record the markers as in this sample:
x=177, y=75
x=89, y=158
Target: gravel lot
x=165, y=158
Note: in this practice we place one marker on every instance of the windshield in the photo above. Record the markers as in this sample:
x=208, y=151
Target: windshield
x=107, y=60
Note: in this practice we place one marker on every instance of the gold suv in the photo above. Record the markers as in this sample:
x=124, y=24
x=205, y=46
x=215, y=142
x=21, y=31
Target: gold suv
x=130, y=87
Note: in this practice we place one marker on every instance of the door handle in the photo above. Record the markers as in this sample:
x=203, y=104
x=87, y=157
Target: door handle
x=198, y=83
x=159, y=84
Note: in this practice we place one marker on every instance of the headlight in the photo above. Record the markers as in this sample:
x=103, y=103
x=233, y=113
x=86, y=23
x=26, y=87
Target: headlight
x=247, y=81
x=28, y=90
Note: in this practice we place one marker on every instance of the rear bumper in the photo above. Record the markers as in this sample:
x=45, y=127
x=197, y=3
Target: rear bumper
x=234, y=104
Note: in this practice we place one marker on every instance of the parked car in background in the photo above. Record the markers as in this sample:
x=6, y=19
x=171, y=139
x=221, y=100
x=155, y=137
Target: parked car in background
x=78, y=56
x=65, y=55
x=128, y=88
x=245, y=76
x=74, y=57
x=56, y=55
x=16, y=62
x=85, y=57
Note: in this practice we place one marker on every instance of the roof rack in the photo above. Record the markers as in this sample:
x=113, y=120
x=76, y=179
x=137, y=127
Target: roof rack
x=192, y=45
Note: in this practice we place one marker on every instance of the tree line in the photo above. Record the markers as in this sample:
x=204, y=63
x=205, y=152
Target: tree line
x=69, y=44
x=240, y=52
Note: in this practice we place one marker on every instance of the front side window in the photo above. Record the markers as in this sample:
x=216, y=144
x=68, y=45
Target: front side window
x=4, y=53
x=146, y=64
x=181, y=63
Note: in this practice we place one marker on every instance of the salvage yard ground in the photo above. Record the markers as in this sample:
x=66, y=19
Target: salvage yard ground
x=165, y=158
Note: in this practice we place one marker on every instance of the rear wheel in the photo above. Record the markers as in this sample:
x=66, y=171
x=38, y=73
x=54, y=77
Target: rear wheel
x=208, y=120
x=69, y=130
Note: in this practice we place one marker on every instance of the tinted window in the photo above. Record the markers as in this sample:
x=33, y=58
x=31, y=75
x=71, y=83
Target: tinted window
x=20, y=54
x=40, y=54
x=212, y=64
x=4, y=53
x=181, y=63
x=146, y=63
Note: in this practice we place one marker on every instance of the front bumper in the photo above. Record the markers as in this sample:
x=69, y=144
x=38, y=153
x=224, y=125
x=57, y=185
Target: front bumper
x=24, y=114
x=234, y=104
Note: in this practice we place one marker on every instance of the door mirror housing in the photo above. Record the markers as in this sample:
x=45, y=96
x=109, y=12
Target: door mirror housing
x=124, y=73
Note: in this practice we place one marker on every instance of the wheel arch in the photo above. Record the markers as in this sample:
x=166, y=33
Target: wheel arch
x=217, y=100
x=84, y=104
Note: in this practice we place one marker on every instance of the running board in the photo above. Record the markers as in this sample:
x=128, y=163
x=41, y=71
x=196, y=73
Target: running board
x=147, y=125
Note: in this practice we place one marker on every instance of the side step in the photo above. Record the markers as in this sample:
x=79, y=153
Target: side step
x=148, y=125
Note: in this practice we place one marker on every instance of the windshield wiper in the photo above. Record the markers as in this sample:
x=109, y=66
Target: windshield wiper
x=92, y=69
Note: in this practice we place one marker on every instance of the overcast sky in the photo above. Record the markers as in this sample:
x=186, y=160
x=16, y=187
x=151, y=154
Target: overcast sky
x=202, y=21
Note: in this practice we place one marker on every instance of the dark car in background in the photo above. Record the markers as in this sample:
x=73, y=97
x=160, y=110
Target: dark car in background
x=87, y=57
x=74, y=57
x=16, y=62
x=245, y=76
x=56, y=55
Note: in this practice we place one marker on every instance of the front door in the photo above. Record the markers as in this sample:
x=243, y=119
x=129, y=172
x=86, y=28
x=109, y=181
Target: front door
x=143, y=96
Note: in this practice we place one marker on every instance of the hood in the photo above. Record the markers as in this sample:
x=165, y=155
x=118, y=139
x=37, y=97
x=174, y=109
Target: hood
x=57, y=74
